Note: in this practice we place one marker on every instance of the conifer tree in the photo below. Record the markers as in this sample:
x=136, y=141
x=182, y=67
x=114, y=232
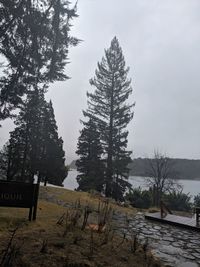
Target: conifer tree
x=52, y=167
x=108, y=107
x=90, y=165
x=25, y=141
x=3, y=162
x=34, y=43
x=34, y=145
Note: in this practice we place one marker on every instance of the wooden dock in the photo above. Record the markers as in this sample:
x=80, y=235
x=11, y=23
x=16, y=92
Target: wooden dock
x=185, y=222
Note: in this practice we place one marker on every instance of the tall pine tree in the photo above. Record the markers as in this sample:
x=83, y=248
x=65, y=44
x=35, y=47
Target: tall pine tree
x=90, y=165
x=108, y=107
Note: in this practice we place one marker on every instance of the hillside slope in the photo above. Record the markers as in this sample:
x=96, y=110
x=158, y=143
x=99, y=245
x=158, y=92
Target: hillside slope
x=56, y=238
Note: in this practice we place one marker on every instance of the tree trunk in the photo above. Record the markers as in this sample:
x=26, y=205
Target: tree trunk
x=24, y=156
x=9, y=163
x=109, y=172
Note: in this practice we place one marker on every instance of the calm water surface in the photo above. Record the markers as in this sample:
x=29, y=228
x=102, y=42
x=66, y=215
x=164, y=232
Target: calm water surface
x=189, y=186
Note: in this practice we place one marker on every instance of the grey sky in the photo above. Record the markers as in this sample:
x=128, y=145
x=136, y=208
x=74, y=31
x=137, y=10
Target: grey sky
x=161, y=45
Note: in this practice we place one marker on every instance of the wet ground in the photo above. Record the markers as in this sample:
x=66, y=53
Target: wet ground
x=176, y=247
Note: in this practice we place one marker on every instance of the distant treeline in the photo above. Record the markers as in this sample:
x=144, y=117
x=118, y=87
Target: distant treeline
x=185, y=168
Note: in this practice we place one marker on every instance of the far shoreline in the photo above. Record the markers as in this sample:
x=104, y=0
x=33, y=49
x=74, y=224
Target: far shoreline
x=188, y=179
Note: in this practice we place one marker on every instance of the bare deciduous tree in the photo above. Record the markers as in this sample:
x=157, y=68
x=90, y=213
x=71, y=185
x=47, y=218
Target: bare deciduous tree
x=161, y=176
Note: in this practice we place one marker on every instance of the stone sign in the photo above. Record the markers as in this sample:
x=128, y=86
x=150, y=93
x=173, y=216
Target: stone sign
x=18, y=194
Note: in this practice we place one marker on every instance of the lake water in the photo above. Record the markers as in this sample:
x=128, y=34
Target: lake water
x=189, y=186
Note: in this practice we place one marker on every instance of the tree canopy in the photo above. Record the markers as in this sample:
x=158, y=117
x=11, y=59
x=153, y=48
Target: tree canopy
x=34, y=42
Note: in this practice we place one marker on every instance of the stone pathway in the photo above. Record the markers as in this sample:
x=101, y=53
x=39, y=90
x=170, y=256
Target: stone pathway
x=176, y=247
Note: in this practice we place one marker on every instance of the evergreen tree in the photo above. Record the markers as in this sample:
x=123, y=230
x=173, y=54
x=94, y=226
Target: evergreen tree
x=25, y=141
x=34, y=41
x=52, y=167
x=34, y=145
x=3, y=162
x=107, y=106
x=90, y=165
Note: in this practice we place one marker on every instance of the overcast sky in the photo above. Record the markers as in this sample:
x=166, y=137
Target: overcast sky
x=161, y=45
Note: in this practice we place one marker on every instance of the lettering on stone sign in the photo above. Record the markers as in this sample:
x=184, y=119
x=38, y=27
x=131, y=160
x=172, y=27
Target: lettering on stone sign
x=10, y=196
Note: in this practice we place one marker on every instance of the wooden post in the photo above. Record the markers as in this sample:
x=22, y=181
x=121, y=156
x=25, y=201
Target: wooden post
x=164, y=210
x=30, y=214
x=36, y=194
x=197, y=210
x=154, y=195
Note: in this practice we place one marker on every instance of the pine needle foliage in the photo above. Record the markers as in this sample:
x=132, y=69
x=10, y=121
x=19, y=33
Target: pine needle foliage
x=90, y=164
x=109, y=109
x=34, y=42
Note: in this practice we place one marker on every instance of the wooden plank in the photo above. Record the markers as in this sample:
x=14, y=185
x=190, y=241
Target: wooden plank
x=181, y=221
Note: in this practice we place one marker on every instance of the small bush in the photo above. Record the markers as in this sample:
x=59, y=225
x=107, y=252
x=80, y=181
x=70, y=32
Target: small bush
x=197, y=200
x=178, y=201
x=139, y=198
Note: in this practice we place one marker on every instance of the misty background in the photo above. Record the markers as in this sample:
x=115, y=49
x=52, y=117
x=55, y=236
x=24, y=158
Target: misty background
x=161, y=43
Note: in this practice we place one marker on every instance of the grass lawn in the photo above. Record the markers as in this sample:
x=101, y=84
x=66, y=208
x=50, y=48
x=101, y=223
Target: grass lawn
x=46, y=242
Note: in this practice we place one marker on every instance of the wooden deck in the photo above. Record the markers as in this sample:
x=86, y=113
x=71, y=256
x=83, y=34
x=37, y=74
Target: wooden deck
x=185, y=222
